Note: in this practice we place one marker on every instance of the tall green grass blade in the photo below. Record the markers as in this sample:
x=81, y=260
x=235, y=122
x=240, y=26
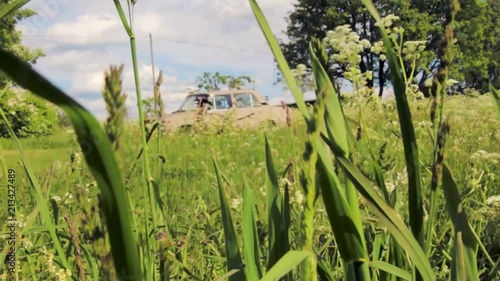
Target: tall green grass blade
x=391, y=269
x=496, y=98
x=99, y=156
x=323, y=271
x=228, y=274
x=494, y=272
x=344, y=213
x=339, y=213
x=150, y=134
x=11, y=7
x=376, y=169
x=123, y=18
x=147, y=176
x=233, y=255
x=387, y=215
x=250, y=237
x=415, y=200
x=280, y=58
x=277, y=231
x=286, y=264
x=335, y=122
x=464, y=264
x=336, y=127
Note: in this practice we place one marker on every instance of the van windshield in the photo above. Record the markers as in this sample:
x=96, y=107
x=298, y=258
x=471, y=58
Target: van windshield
x=195, y=101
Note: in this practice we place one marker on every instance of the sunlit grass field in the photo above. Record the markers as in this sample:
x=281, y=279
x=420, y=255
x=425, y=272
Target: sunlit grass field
x=188, y=187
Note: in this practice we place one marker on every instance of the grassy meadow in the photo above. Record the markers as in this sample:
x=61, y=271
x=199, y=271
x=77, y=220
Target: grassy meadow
x=188, y=187
x=355, y=188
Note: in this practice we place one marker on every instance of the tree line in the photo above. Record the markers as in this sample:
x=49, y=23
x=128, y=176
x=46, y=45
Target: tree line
x=476, y=50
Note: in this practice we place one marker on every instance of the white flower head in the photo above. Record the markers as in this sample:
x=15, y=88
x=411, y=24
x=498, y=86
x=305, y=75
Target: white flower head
x=493, y=200
x=236, y=202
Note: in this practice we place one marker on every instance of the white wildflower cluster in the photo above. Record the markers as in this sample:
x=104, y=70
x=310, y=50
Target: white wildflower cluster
x=26, y=244
x=346, y=44
x=388, y=21
x=262, y=190
x=425, y=124
x=412, y=50
x=493, y=200
x=21, y=221
x=389, y=105
x=303, y=77
x=484, y=156
x=63, y=275
x=414, y=93
x=14, y=102
x=300, y=70
x=378, y=49
x=49, y=260
x=76, y=160
x=235, y=203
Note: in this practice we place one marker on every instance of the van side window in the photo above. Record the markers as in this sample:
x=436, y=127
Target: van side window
x=243, y=100
x=222, y=101
x=256, y=102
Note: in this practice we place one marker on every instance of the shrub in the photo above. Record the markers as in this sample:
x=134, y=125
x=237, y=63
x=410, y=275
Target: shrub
x=27, y=114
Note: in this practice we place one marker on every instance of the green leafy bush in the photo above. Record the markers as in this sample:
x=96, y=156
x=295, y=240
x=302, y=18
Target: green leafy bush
x=27, y=114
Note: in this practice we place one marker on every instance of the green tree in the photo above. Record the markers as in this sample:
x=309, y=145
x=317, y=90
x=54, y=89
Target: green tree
x=10, y=37
x=478, y=37
x=312, y=18
x=477, y=33
x=215, y=82
x=26, y=114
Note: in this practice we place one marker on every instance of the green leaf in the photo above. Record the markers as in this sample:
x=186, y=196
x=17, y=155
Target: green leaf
x=335, y=122
x=278, y=240
x=99, y=156
x=123, y=18
x=391, y=269
x=340, y=216
x=282, y=63
x=11, y=7
x=233, y=255
x=415, y=201
x=286, y=264
x=323, y=271
x=464, y=264
x=496, y=98
x=341, y=208
x=388, y=216
x=250, y=237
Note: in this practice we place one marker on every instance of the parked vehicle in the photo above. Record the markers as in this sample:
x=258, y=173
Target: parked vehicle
x=241, y=108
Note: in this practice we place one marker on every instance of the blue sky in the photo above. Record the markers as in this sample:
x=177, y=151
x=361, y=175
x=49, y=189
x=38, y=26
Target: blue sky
x=82, y=38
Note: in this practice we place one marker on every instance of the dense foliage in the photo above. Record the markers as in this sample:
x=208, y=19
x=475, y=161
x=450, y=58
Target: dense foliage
x=477, y=33
x=27, y=114
x=10, y=37
x=217, y=81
